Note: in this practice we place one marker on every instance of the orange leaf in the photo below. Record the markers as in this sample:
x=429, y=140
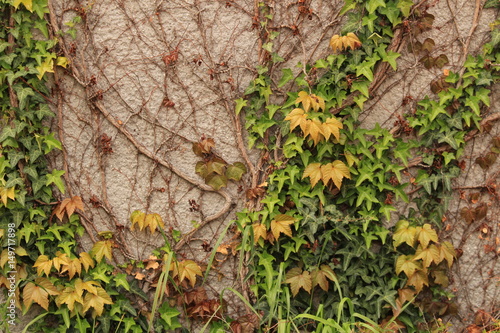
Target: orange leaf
x=281, y=224
x=39, y=292
x=341, y=43
x=259, y=231
x=313, y=171
x=320, y=276
x=68, y=205
x=96, y=301
x=299, y=279
x=73, y=267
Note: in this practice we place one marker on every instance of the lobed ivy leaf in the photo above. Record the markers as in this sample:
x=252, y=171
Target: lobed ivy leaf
x=341, y=43
x=425, y=234
x=298, y=279
x=96, y=301
x=216, y=181
x=236, y=171
x=428, y=255
x=281, y=225
x=39, y=292
x=102, y=249
x=259, y=231
x=419, y=279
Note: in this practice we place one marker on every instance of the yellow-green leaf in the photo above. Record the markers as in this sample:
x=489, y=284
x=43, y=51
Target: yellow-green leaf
x=428, y=255
x=62, y=61
x=47, y=66
x=90, y=286
x=441, y=278
x=407, y=264
x=186, y=269
x=447, y=251
x=425, y=234
x=154, y=221
x=27, y=3
x=299, y=279
x=86, y=261
x=102, y=249
x=281, y=225
x=404, y=234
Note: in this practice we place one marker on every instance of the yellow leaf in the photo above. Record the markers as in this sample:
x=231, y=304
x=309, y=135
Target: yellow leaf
x=62, y=61
x=404, y=234
x=20, y=251
x=314, y=130
x=47, y=66
x=426, y=234
x=39, y=292
x=73, y=267
x=418, y=280
x=27, y=3
x=69, y=296
x=4, y=257
x=428, y=255
x=102, y=249
x=86, y=261
x=43, y=265
x=297, y=118
x=299, y=279
x=139, y=218
x=331, y=127
x=406, y=264
x=335, y=172
x=6, y=193
x=350, y=158
x=313, y=171
x=60, y=259
x=259, y=231
x=90, y=286
x=341, y=43
x=154, y=221
x=96, y=301
x=447, y=251
x=304, y=99
x=281, y=225
x=186, y=269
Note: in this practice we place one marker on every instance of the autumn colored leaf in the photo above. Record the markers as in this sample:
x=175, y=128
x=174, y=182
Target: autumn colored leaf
x=90, y=286
x=216, y=165
x=96, y=301
x=419, y=279
x=60, y=259
x=69, y=296
x=43, y=265
x=321, y=276
x=314, y=130
x=5, y=193
x=236, y=171
x=154, y=221
x=259, y=231
x=28, y=4
x=428, y=255
x=310, y=100
x=407, y=264
x=341, y=43
x=404, y=234
x=335, y=172
x=406, y=294
x=297, y=117
x=313, y=171
x=447, y=252
x=440, y=277
x=68, y=206
x=203, y=147
x=186, y=269
x=73, y=267
x=425, y=234
x=299, y=279
x=39, y=292
x=331, y=127
x=281, y=225
x=102, y=249
x=138, y=218
x=86, y=261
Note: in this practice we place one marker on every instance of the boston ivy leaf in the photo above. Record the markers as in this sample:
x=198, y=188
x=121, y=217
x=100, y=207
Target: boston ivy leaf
x=341, y=43
x=404, y=234
x=331, y=127
x=428, y=255
x=313, y=171
x=425, y=234
x=321, y=276
x=259, y=231
x=39, y=292
x=281, y=225
x=102, y=249
x=216, y=181
x=298, y=279
x=297, y=117
x=96, y=301
x=236, y=171
x=419, y=279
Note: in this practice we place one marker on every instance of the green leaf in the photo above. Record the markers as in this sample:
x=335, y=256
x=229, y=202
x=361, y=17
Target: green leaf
x=361, y=86
x=372, y=5
x=405, y=6
x=366, y=194
x=121, y=280
x=365, y=68
x=262, y=125
x=51, y=143
x=236, y=171
x=22, y=95
x=240, y=103
x=285, y=77
x=55, y=178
